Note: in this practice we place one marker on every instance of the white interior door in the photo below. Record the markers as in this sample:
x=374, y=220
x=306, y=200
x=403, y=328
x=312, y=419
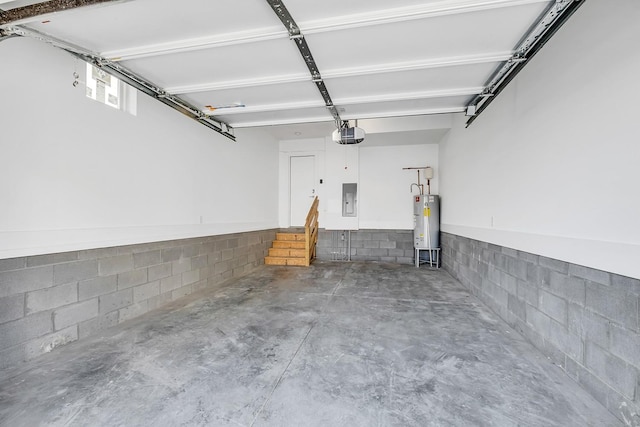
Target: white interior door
x=302, y=184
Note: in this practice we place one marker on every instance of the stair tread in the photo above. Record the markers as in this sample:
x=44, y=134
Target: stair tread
x=287, y=252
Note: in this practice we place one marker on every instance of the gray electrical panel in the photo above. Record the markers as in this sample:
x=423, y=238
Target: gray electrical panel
x=350, y=199
x=426, y=218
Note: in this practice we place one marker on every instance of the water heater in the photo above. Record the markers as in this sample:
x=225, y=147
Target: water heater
x=426, y=218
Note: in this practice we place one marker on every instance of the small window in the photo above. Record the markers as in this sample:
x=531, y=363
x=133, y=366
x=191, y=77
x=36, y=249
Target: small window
x=109, y=90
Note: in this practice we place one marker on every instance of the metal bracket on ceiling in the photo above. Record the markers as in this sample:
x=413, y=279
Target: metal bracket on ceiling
x=296, y=35
x=129, y=77
x=552, y=19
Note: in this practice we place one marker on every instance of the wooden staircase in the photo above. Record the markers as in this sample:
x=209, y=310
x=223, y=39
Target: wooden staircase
x=296, y=248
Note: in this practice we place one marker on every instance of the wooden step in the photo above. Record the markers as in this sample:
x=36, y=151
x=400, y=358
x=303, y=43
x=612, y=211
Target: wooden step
x=288, y=244
x=286, y=253
x=290, y=236
x=271, y=260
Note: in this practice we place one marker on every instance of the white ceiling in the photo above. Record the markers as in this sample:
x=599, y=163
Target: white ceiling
x=378, y=59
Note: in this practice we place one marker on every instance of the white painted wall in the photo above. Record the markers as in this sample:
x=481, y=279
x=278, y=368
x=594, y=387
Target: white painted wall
x=384, y=195
x=76, y=174
x=385, y=198
x=551, y=167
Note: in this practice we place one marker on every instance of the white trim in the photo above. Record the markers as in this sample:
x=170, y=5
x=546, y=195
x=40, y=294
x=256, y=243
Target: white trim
x=38, y=242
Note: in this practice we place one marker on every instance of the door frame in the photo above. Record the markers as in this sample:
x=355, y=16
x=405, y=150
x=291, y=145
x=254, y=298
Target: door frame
x=285, y=181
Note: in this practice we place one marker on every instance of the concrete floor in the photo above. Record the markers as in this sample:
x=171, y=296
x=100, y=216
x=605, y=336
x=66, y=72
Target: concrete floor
x=336, y=344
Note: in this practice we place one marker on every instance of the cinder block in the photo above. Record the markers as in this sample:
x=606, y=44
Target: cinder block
x=616, y=306
x=116, y=300
x=96, y=324
x=97, y=253
x=222, y=245
x=508, y=283
x=133, y=311
x=387, y=245
x=13, y=263
x=12, y=356
x=145, y=259
x=25, y=329
x=74, y=314
x=158, y=301
x=396, y=252
x=222, y=267
x=74, y=271
x=592, y=384
x=571, y=368
x=199, y=262
x=379, y=252
x=517, y=268
x=512, y=253
x=232, y=243
x=159, y=271
x=528, y=258
x=11, y=308
x=227, y=254
x=380, y=236
x=170, y=283
x=517, y=307
x=180, y=266
x=181, y=292
x=590, y=274
x=588, y=325
x=132, y=278
x=528, y=293
x=626, y=345
x=568, y=343
x=501, y=297
x=57, y=296
x=500, y=261
x=49, y=259
x=573, y=289
x=171, y=254
x=625, y=284
x=30, y=279
x=115, y=265
x=539, y=322
x=146, y=291
x=190, y=277
x=554, y=264
x=95, y=287
x=621, y=376
x=214, y=258
x=553, y=306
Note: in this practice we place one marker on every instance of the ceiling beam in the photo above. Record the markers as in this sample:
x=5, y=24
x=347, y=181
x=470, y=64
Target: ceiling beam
x=29, y=12
x=425, y=11
x=295, y=34
x=551, y=21
x=345, y=72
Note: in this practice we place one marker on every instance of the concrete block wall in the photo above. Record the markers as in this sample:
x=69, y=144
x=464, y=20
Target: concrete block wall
x=369, y=245
x=587, y=321
x=50, y=300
